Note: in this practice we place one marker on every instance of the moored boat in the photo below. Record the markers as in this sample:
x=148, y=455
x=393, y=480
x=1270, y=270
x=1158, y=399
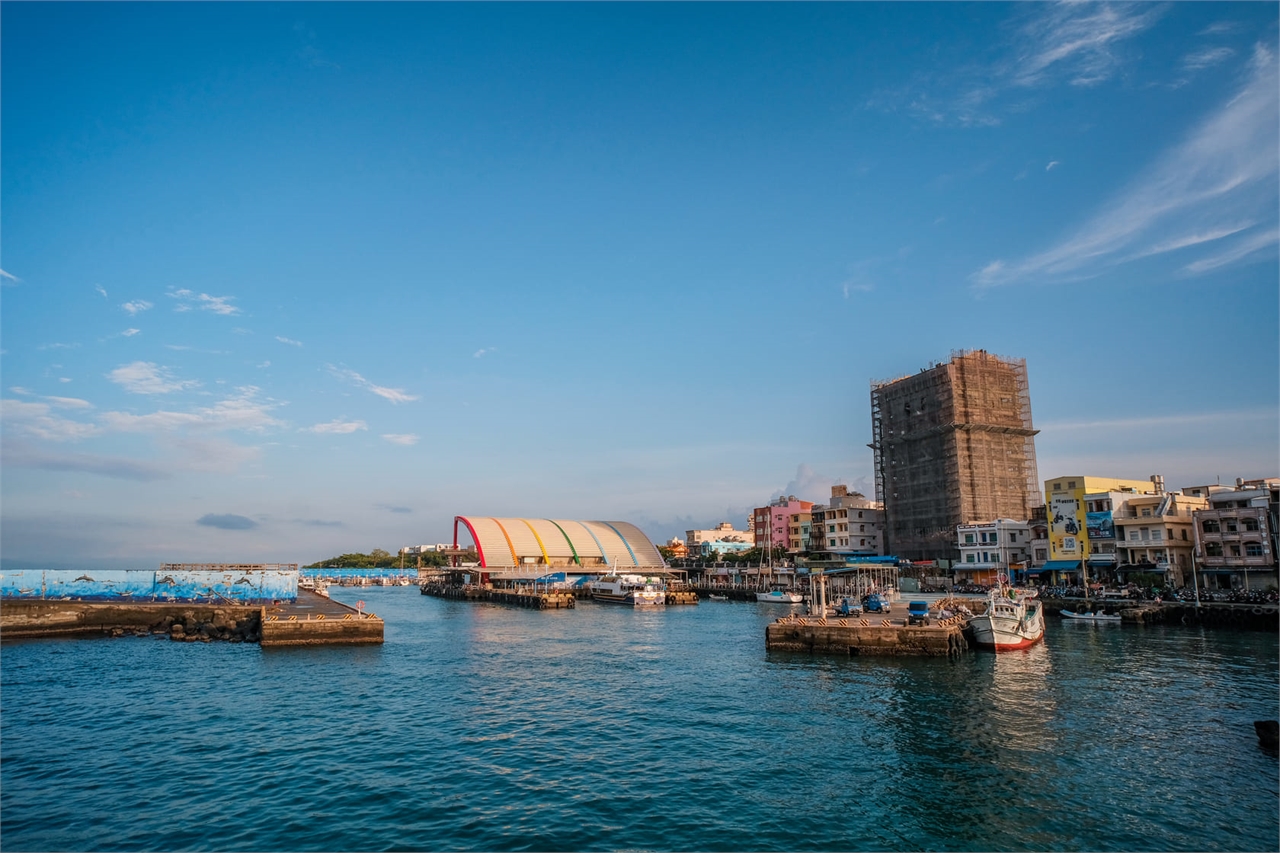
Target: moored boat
x=634, y=590
x=780, y=596
x=1091, y=617
x=1013, y=620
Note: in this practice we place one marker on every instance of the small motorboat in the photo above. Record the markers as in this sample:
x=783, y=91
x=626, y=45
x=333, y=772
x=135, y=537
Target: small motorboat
x=715, y=597
x=1099, y=616
x=780, y=596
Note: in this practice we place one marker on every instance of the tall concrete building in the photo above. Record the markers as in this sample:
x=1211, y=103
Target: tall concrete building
x=953, y=445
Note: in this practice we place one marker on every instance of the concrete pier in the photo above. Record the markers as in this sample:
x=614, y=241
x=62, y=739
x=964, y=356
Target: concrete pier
x=314, y=620
x=874, y=635
x=520, y=598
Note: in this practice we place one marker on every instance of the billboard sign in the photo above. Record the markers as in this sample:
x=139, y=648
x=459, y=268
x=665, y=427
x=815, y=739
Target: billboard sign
x=1100, y=526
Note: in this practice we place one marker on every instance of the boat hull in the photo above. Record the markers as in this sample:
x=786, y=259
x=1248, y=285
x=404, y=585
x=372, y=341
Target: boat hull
x=1004, y=633
x=781, y=598
x=630, y=599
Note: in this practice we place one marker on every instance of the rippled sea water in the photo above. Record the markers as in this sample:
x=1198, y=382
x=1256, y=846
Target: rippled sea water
x=482, y=727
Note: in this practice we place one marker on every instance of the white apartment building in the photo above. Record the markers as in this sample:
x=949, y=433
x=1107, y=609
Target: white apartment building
x=991, y=547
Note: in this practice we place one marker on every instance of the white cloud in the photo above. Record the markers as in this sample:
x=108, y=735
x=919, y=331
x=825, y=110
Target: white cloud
x=7, y=277
x=1077, y=41
x=288, y=341
x=217, y=304
x=129, y=333
x=407, y=440
x=101, y=290
x=481, y=352
x=68, y=402
x=37, y=421
x=241, y=412
x=1052, y=163
x=136, y=306
x=395, y=395
x=64, y=379
x=1207, y=58
x=337, y=427
x=144, y=377
x=1222, y=172
x=1243, y=248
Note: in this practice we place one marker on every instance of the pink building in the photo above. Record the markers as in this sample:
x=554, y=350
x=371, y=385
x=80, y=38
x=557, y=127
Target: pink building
x=771, y=523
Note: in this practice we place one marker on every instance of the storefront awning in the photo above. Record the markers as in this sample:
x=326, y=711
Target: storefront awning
x=1059, y=566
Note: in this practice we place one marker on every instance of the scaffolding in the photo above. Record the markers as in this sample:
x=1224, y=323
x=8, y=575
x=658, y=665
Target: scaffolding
x=953, y=444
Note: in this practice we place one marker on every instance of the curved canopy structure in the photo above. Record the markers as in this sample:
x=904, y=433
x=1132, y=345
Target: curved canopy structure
x=536, y=543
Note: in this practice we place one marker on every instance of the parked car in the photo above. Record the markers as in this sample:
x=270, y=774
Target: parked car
x=848, y=607
x=876, y=603
x=918, y=613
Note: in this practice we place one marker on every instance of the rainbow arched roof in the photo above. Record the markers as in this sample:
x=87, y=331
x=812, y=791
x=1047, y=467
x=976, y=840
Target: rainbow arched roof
x=533, y=542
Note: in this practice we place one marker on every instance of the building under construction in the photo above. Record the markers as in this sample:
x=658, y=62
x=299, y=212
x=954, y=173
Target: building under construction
x=953, y=445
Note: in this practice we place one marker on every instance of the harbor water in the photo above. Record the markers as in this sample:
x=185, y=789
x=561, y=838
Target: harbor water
x=483, y=727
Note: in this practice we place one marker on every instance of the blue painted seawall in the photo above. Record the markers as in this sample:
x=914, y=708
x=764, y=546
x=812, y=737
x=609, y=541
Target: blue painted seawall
x=125, y=585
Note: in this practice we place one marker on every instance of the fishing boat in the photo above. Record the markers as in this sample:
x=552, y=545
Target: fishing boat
x=780, y=596
x=715, y=597
x=635, y=590
x=1091, y=617
x=1013, y=619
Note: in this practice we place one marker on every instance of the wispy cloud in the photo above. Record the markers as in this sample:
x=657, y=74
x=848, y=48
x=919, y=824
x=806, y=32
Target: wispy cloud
x=1255, y=243
x=1199, y=191
x=8, y=278
x=483, y=351
x=136, y=307
x=187, y=300
x=394, y=395
x=1207, y=58
x=129, y=333
x=145, y=377
x=1078, y=42
x=37, y=420
x=404, y=439
x=316, y=522
x=243, y=411
x=101, y=290
x=1052, y=164
x=288, y=341
x=337, y=427
x=1150, y=421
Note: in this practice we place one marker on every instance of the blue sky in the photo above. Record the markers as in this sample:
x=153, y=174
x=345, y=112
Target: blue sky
x=287, y=280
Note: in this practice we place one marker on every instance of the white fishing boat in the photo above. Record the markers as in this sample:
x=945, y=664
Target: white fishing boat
x=1013, y=619
x=635, y=590
x=780, y=596
x=1091, y=617
x=715, y=597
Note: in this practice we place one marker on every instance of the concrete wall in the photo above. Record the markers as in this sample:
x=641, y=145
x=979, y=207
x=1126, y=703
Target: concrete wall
x=136, y=585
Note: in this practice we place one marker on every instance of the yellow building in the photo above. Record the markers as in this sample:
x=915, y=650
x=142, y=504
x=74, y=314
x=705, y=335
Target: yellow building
x=1069, y=516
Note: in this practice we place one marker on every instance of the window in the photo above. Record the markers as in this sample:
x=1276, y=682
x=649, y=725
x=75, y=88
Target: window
x=859, y=513
x=1042, y=554
x=1235, y=550
x=1157, y=535
x=1133, y=535
x=862, y=542
x=1184, y=535
x=1013, y=537
x=1250, y=524
x=969, y=558
x=1071, y=484
x=1253, y=549
x=994, y=539
x=1213, y=549
x=1230, y=525
x=1210, y=525
x=831, y=543
x=862, y=528
x=1146, y=534
x=1146, y=512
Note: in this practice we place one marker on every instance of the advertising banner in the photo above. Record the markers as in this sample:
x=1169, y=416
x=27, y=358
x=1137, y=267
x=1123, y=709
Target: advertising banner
x=1100, y=526
x=1066, y=528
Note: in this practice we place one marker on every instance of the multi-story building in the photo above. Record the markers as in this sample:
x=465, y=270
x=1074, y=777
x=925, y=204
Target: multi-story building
x=773, y=523
x=1068, y=517
x=1155, y=533
x=798, y=526
x=1236, y=535
x=953, y=444
x=723, y=533
x=677, y=547
x=1039, y=524
x=849, y=524
x=990, y=548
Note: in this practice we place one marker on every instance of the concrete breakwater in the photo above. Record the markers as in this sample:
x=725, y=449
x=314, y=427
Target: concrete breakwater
x=35, y=618
x=308, y=620
x=1211, y=614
